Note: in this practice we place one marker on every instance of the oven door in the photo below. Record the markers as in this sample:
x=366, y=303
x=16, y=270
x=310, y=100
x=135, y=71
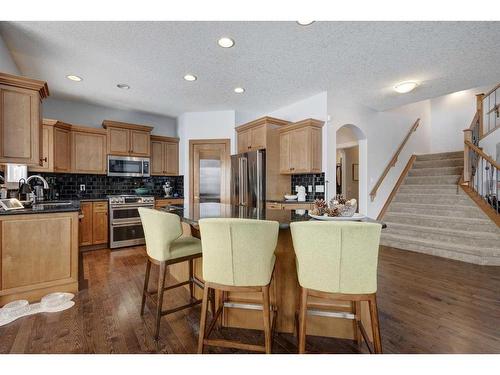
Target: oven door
x=126, y=234
x=127, y=166
x=128, y=213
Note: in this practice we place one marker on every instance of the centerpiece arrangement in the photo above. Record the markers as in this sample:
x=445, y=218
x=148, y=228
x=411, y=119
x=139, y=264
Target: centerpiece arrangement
x=339, y=208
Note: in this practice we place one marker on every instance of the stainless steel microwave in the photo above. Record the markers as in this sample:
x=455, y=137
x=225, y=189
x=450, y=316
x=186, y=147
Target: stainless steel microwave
x=128, y=166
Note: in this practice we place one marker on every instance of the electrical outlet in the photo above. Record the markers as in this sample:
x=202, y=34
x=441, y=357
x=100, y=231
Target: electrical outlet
x=82, y=187
x=320, y=188
x=309, y=188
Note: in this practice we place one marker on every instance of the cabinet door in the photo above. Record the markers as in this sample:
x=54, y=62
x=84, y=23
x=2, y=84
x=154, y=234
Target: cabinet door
x=299, y=150
x=258, y=137
x=20, y=127
x=171, y=158
x=243, y=141
x=62, y=150
x=285, y=167
x=100, y=223
x=118, y=141
x=139, y=143
x=47, y=158
x=88, y=153
x=316, y=153
x=157, y=158
x=85, y=226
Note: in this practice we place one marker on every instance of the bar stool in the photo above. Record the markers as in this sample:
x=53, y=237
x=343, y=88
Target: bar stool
x=338, y=261
x=238, y=256
x=165, y=246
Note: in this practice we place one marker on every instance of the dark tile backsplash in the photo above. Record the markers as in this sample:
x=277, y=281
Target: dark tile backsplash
x=306, y=180
x=67, y=186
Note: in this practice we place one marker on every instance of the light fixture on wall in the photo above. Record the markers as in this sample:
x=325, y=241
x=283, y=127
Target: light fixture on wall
x=405, y=87
x=305, y=22
x=239, y=90
x=225, y=42
x=123, y=86
x=190, y=77
x=74, y=78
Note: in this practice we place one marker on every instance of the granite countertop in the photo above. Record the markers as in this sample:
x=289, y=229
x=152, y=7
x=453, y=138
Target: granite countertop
x=46, y=208
x=193, y=213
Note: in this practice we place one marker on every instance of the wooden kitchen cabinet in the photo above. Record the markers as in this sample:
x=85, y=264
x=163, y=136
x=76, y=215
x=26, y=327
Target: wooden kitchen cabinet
x=163, y=202
x=164, y=156
x=88, y=150
x=254, y=135
x=127, y=139
x=56, y=147
x=21, y=119
x=300, y=147
x=44, y=261
x=94, y=224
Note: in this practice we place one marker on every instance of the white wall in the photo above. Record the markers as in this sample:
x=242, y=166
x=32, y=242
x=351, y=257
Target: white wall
x=202, y=125
x=81, y=113
x=7, y=64
x=489, y=144
x=450, y=115
x=383, y=133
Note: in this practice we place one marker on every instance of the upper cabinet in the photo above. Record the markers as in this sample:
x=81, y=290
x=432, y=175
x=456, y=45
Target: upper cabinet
x=21, y=119
x=56, y=147
x=254, y=135
x=88, y=150
x=164, y=156
x=127, y=139
x=300, y=147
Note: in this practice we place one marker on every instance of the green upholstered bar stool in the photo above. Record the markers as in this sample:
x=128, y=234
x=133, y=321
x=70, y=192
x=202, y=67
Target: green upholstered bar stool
x=238, y=256
x=165, y=245
x=338, y=261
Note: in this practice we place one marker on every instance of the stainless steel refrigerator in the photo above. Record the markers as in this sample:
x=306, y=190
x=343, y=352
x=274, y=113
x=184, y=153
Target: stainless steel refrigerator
x=248, y=179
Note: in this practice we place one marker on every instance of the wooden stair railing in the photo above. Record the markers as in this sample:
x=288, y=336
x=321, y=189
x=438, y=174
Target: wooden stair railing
x=393, y=160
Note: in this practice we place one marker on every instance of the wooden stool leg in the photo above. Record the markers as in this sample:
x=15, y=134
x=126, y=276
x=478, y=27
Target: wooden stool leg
x=161, y=286
x=203, y=319
x=377, y=341
x=356, y=305
x=146, y=283
x=191, y=275
x=302, y=320
x=212, y=303
x=267, y=318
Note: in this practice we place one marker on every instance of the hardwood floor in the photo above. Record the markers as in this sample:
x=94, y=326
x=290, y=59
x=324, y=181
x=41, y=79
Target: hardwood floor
x=427, y=305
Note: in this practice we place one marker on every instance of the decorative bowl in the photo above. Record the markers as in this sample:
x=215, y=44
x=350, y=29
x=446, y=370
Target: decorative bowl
x=141, y=191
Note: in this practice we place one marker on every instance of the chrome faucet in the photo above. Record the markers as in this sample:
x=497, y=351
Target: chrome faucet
x=35, y=197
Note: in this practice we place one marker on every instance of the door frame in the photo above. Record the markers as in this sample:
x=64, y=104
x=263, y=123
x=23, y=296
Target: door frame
x=226, y=166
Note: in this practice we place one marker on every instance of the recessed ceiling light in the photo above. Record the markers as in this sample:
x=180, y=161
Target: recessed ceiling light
x=225, y=42
x=74, y=78
x=305, y=22
x=404, y=87
x=190, y=77
x=239, y=90
x=123, y=86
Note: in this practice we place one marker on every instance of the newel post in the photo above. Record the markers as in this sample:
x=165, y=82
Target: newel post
x=467, y=171
x=479, y=109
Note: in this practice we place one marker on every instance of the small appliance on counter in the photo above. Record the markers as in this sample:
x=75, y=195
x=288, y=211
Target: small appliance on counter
x=24, y=190
x=301, y=194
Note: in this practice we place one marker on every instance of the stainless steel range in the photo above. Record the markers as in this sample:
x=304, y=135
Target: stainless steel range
x=125, y=225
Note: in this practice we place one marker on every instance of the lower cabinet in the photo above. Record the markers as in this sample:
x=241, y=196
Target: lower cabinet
x=94, y=225
x=159, y=203
x=38, y=255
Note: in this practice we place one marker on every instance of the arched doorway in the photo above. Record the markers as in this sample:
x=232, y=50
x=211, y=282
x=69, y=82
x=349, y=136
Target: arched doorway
x=351, y=165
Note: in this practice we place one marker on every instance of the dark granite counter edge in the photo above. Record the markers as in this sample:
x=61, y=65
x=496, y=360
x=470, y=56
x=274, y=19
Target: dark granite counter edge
x=74, y=207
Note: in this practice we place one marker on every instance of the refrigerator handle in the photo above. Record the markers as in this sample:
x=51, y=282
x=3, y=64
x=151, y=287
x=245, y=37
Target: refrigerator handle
x=244, y=182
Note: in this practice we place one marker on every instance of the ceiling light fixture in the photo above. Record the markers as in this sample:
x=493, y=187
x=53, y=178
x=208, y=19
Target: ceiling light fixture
x=190, y=77
x=305, y=22
x=239, y=90
x=225, y=42
x=405, y=87
x=123, y=86
x=74, y=78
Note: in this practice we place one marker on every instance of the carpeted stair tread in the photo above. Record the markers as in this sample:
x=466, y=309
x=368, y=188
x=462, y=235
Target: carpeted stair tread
x=436, y=171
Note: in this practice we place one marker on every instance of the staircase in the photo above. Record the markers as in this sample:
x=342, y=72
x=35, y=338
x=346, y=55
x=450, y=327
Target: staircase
x=431, y=214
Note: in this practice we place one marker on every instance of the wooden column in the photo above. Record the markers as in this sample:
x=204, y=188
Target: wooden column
x=479, y=108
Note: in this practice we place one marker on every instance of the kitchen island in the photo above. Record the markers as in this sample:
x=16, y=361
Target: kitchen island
x=38, y=251
x=284, y=286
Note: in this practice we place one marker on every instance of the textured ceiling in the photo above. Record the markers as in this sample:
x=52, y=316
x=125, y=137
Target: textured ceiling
x=277, y=62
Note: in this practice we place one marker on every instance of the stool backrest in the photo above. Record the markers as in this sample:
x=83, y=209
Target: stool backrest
x=160, y=230
x=238, y=252
x=337, y=257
